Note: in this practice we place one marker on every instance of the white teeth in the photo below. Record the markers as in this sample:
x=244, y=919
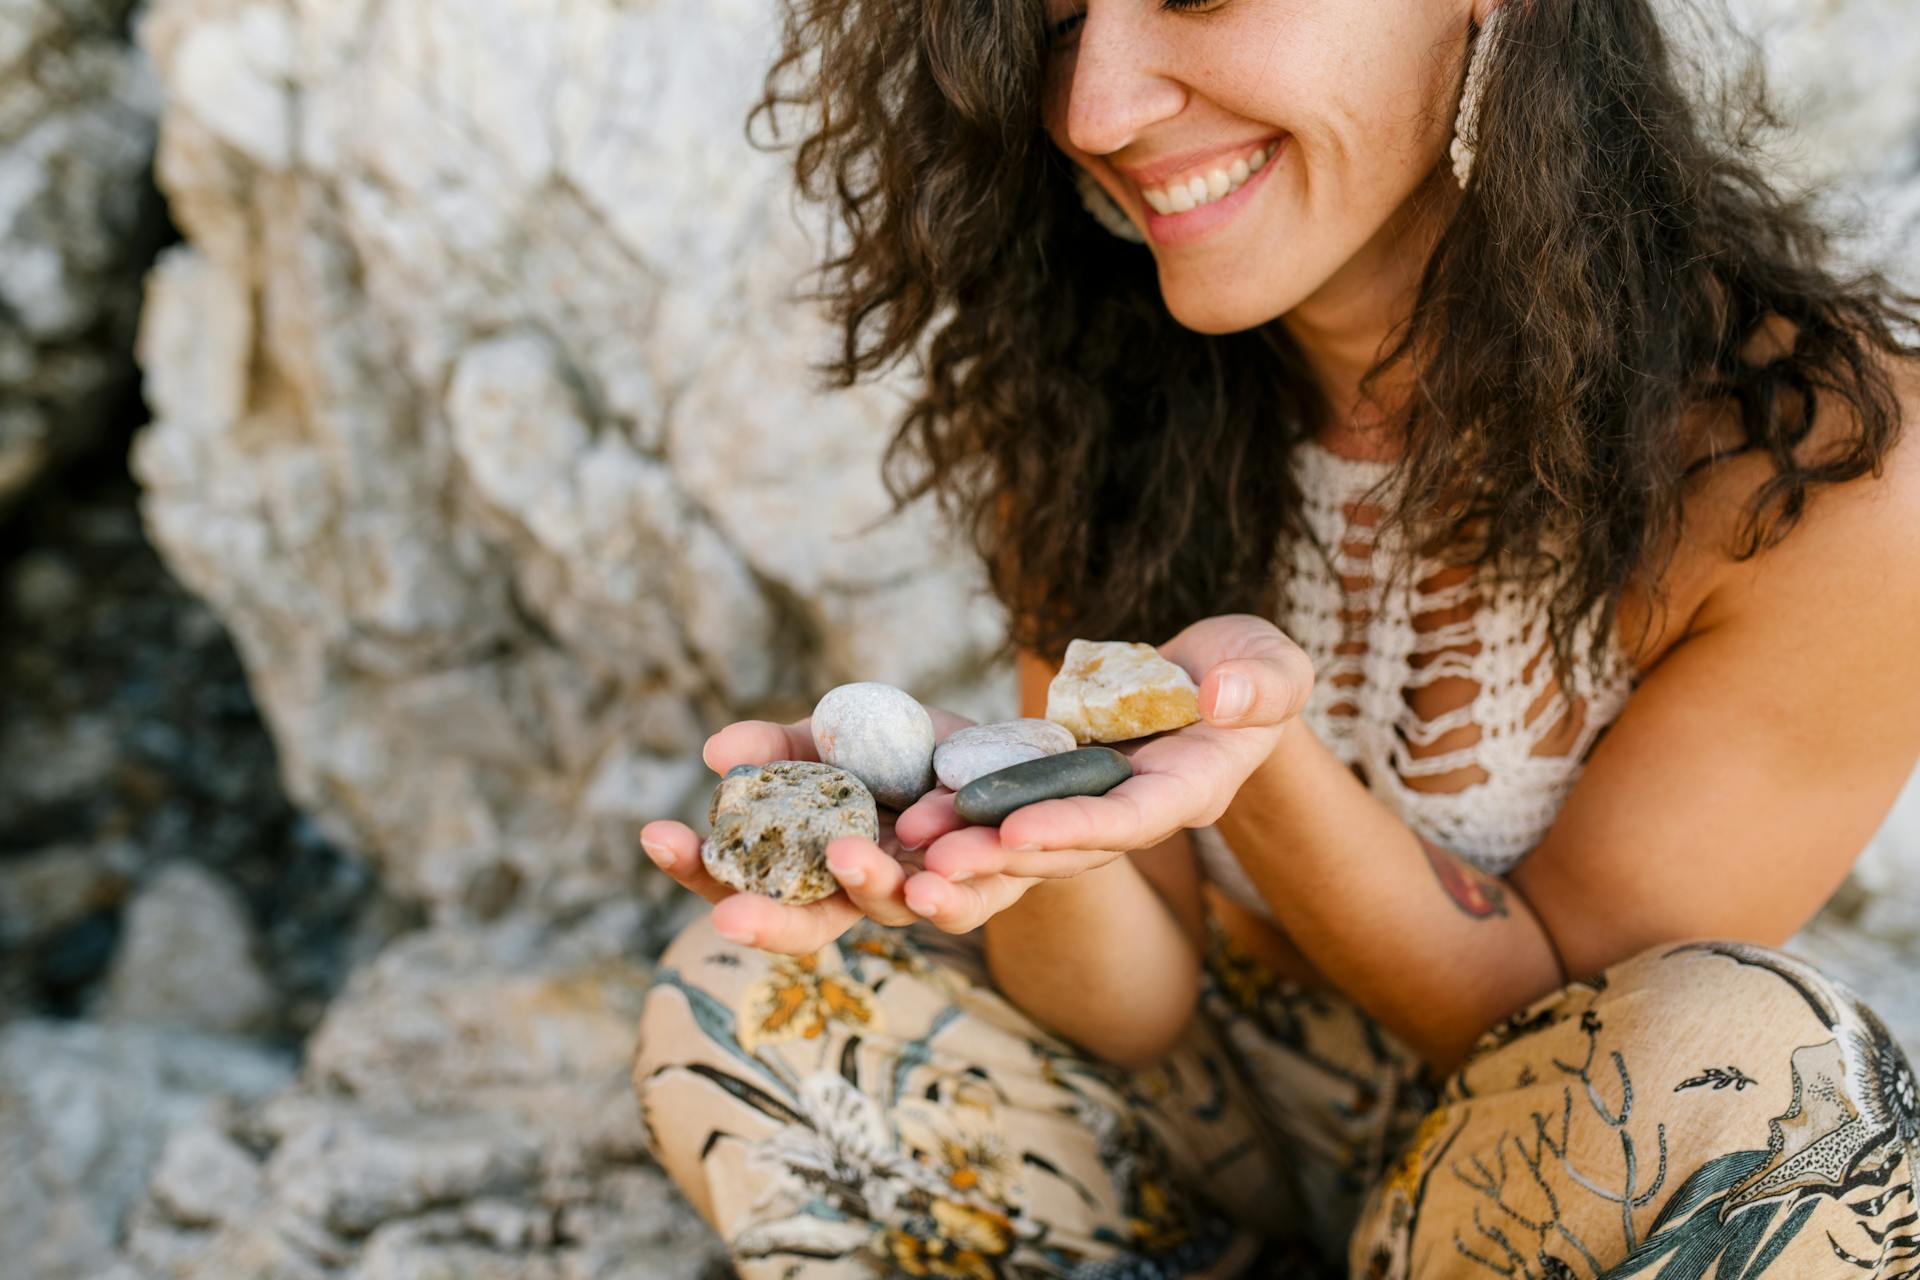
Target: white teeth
x=1192, y=192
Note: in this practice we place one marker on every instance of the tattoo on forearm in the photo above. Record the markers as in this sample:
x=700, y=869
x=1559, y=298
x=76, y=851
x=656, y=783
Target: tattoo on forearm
x=1474, y=892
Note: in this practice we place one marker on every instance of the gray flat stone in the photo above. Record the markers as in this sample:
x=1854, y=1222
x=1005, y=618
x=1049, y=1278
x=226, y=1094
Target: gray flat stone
x=981, y=749
x=772, y=824
x=1090, y=771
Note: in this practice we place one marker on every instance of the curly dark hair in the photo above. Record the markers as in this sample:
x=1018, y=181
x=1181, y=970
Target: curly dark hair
x=1122, y=475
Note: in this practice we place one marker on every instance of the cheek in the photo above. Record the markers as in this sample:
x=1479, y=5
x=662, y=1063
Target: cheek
x=1371, y=93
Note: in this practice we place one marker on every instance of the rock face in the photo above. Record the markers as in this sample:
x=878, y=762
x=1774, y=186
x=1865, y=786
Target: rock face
x=78, y=224
x=772, y=825
x=1113, y=690
x=484, y=420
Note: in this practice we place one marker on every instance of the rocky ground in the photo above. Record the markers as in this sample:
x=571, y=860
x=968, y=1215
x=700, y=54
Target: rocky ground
x=181, y=1093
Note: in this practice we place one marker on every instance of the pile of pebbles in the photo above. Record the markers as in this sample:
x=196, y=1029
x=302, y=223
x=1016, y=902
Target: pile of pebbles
x=772, y=823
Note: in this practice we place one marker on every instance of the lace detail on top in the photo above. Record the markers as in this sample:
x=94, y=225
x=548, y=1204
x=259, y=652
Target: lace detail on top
x=1437, y=688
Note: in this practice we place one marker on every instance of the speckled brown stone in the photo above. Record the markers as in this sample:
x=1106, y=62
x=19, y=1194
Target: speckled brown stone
x=772, y=824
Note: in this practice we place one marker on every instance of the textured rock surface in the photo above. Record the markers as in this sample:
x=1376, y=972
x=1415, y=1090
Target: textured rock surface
x=78, y=223
x=186, y=958
x=464, y=1111
x=85, y=1110
x=881, y=735
x=966, y=754
x=1113, y=690
x=772, y=826
x=483, y=420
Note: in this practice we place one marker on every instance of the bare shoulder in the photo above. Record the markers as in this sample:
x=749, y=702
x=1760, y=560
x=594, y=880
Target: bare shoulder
x=1855, y=547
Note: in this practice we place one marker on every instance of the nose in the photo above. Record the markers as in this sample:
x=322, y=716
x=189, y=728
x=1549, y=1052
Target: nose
x=1118, y=86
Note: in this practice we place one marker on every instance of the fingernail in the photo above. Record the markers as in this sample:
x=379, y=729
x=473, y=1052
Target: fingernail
x=1235, y=698
x=918, y=902
x=852, y=877
x=738, y=937
x=1025, y=846
x=661, y=857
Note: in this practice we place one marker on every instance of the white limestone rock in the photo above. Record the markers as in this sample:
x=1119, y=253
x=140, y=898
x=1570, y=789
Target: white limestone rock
x=1114, y=690
x=980, y=749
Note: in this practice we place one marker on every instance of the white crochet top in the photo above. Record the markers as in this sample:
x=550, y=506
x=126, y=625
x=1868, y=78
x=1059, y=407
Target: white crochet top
x=1436, y=688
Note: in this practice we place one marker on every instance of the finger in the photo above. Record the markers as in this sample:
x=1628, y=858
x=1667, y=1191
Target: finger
x=1137, y=814
x=675, y=849
x=751, y=920
x=968, y=852
x=1247, y=692
x=872, y=879
x=927, y=819
x=1250, y=672
x=959, y=908
x=976, y=854
x=758, y=742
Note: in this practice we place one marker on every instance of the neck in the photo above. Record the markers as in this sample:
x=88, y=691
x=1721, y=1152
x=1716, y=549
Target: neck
x=1344, y=328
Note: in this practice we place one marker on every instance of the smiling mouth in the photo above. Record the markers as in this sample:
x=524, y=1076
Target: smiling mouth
x=1205, y=185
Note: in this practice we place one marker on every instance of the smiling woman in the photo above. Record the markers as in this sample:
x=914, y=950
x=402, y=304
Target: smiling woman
x=1495, y=448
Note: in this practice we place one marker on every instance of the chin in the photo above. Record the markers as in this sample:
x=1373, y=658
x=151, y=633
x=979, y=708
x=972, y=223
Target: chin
x=1207, y=307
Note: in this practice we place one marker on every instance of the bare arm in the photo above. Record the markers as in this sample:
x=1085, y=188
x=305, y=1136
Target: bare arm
x=1727, y=800
x=1110, y=958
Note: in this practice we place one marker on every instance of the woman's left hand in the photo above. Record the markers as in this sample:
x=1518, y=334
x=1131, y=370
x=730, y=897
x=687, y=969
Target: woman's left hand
x=1253, y=680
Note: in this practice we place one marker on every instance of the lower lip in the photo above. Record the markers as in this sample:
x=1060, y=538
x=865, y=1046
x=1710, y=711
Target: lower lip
x=1184, y=228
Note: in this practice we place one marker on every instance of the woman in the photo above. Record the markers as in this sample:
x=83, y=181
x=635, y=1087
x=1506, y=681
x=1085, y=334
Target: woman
x=1459, y=405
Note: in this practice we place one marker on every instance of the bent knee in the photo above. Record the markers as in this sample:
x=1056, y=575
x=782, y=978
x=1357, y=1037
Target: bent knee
x=1690, y=996
x=1715, y=975
x=698, y=957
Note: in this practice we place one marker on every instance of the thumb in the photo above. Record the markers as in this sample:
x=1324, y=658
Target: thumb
x=1244, y=693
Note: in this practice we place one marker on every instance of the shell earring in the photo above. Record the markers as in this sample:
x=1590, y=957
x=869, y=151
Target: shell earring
x=1105, y=210
x=1466, y=126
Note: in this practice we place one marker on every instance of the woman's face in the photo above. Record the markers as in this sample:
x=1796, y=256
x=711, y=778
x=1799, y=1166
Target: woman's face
x=1318, y=118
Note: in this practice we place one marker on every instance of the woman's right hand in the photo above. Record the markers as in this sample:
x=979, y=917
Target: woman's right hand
x=871, y=875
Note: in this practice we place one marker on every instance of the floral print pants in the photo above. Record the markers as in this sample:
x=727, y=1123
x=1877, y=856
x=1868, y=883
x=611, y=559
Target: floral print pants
x=1705, y=1109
